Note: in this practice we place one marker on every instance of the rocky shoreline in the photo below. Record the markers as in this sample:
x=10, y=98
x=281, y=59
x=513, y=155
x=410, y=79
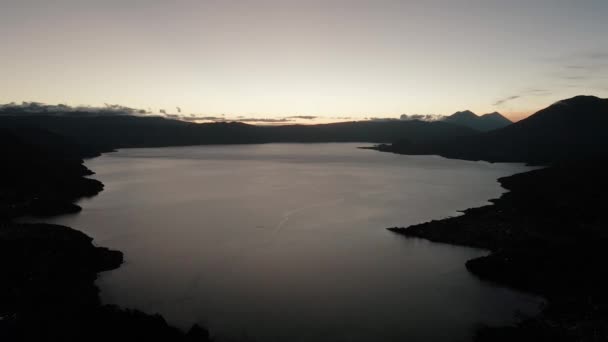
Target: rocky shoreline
x=547, y=235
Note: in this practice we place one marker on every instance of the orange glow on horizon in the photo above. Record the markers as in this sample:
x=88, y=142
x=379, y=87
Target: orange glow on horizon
x=518, y=116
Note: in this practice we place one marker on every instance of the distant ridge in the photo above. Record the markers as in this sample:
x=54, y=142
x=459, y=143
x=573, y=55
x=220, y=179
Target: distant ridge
x=106, y=132
x=571, y=129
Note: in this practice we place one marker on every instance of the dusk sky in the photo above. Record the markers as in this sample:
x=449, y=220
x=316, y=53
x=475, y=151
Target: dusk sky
x=271, y=58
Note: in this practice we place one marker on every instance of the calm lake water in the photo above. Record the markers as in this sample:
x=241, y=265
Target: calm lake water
x=287, y=242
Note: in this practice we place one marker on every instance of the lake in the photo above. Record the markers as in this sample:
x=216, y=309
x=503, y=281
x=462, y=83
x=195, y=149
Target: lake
x=287, y=242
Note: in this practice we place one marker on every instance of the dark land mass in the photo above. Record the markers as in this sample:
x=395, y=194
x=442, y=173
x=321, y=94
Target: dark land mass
x=548, y=234
x=42, y=174
x=47, y=292
x=572, y=129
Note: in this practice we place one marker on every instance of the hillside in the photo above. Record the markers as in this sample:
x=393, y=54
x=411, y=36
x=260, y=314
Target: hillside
x=570, y=129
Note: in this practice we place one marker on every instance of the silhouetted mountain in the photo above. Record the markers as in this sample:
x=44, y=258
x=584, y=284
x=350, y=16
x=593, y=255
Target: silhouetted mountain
x=492, y=121
x=484, y=123
x=462, y=117
x=567, y=130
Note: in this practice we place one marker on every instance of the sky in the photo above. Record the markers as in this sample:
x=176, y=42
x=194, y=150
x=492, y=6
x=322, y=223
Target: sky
x=328, y=58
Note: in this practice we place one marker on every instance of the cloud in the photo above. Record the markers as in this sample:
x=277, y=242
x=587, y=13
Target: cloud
x=304, y=117
x=582, y=69
x=576, y=67
x=506, y=99
x=266, y=120
x=575, y=77
x=207, y=118
x=525, y=93
x=579, y=67
x=602, y=55
x=538, y=91
x=38, y=108
x=192, y=117
x=420, y=117
x=382, y=119
x=189, y=118
x=583, y=66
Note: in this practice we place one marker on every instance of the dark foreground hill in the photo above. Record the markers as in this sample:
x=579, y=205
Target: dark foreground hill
x=547, y=235
x=572, y=129
x=48, y=293
x=41, y=174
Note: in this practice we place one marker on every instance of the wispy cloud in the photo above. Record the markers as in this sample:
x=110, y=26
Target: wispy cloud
x=188, y=118
x=303, y=117
x=265, y=120
x=582, y=69
x=576, y=77
x=538, y=92
x=421, y=117
x=38, y=108
x=524, y=93
x=583, y=66
x=602, y=55
x=195, y=118
x=506, y=99
x=382, y=119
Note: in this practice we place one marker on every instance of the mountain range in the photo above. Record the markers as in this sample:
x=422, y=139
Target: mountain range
x=466, y=118
x=569, y=129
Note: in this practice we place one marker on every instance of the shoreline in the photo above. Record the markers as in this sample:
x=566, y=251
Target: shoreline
x=48, y=290
x=545, y=237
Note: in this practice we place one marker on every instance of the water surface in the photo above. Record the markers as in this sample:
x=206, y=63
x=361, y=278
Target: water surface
x=287, y=242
